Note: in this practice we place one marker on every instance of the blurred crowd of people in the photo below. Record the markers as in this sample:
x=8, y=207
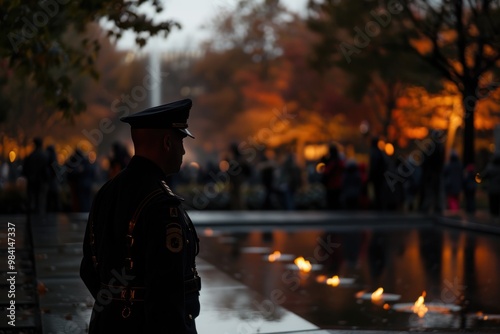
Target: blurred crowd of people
x=54, y=187
x=427, y=179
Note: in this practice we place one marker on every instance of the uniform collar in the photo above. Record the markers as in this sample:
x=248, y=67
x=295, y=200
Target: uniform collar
x=147, y=166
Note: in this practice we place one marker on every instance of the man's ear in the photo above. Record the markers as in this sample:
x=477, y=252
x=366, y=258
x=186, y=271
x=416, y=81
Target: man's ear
x=166, y=142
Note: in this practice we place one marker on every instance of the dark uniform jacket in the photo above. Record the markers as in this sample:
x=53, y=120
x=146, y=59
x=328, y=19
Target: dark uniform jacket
x=139, y=256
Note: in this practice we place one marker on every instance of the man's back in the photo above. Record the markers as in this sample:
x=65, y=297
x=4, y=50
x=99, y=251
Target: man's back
x=139, y=255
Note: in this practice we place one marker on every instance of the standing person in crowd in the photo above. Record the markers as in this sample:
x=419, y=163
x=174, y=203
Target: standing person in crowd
x=432, y=170
x=54, y=189
x=36, y=171
x=238, y=172
x=332, y=177
x=267, y=170
x=492, y=176
x=351, y=186
x=364, y=200
x=140, y=245
x=393, y=192
x=376, y=169
x=453, y=181
x=80, y=176
x=290, y=180
x=412, y=185
x=118, y=160
x=470, y=186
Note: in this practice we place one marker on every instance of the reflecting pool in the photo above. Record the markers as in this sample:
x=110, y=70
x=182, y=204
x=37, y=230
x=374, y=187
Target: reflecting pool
x=454, y=274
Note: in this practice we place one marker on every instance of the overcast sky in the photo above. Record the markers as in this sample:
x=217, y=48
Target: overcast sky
x=192, y=14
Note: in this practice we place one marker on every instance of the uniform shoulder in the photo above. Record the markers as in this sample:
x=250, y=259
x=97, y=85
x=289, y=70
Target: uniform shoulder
x=166, y=189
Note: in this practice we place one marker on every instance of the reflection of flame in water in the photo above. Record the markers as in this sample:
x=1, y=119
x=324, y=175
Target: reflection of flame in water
x=419, y=306
x=387, y=306
x=360, y=294
x=274, y=256
x=208, y=232
x=333, y=281
x=485, y=317
x=321, y=278
x=377, y=294
x=303, y=264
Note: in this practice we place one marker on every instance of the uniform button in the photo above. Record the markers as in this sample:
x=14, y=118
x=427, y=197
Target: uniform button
x=187, y=241
x=190, y=316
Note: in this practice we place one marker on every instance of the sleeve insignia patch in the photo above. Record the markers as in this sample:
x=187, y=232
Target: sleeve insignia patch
x=174, y=239
x=173, y=212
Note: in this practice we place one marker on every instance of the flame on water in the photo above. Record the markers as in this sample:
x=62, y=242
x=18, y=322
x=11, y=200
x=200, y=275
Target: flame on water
x=303, y=264
x=419, y=306
x=274, y=256
x=377, y=294
x=333, y=281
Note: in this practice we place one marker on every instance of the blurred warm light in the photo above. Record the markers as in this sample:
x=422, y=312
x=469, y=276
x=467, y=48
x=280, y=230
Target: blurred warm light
x=12, y=156
x=208, y=232
x=64, y=155
x=377, y=294
x=195, y=165
x=85, y=146
x=224, y=166
x=419, y=306
x=104, y=163
x=333, y=281
x=387, y=306
x=350, y=151
x=321, y=278
x=478, y=178
x=60, y=158
x=381, y=145
x=303, y=264
x=360, y=294
x=20, y=152
x=274, y=256
x=416, y=133
x=320, y=168
x=315, y=152
x=492, y=148
x=389, y=149
x=92, y=157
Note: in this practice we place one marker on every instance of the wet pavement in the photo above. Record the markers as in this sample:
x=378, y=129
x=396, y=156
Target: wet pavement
x=244, y=293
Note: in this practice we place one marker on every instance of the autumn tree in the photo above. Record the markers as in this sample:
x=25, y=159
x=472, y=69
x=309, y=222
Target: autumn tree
x=34, y=45
x=461, y=39
x=360, y=38
x=256, y=77
x=239, y=60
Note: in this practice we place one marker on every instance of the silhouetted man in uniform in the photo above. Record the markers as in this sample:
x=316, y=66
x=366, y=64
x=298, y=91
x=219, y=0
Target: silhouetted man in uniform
x=140, y=245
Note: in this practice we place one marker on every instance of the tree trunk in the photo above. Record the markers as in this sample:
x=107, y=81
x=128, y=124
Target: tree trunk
x=389, y=107
x=469, y=102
